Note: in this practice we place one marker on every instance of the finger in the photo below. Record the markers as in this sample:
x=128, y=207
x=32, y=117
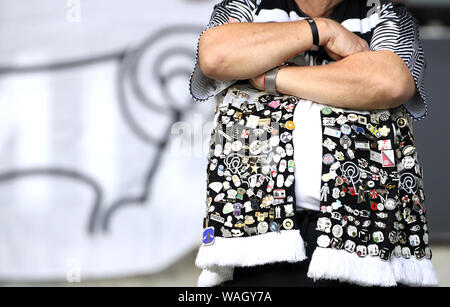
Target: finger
x=251, y=82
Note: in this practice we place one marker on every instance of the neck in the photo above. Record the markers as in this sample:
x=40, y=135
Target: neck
x=317, y=8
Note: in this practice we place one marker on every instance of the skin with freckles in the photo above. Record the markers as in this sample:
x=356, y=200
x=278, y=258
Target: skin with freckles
x=359, y=79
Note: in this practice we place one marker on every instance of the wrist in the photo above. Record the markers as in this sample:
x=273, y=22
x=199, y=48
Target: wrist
x=270, y=78
x=280, y=81
x=324, y=30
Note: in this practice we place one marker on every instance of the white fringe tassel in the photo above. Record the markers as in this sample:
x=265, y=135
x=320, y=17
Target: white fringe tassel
x=328, y=263
x=219, y=259
x=413, y=272
x=214, y=276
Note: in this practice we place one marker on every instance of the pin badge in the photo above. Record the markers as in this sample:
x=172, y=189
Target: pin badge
x=213, y=164
x=216, y=186
x=388, y=159
x=323, y=241
x=408, y=162
x=286, y=137
x=255, y=147
x=328, y=121
x=288, y=224
x=402, y=122
x=384, y=131
x=358, y=129
x=291, y=166
x=274, y=140
x=337, y=231
x=361, y=250
x=216, y=217
x=326, y=110
x=262, y=227
x=352, y=117
x=236, y=145
x=331, y=131
x=352, y=231
x=274, y=104
x=359, y=145
x=408, y=150
x=329, y=144
x=346, y=129
x=362, y=120
x=328, y=159
x=208, y=236
x=290, y=125
x=274, y=227
x=252, y=121
x=289, y=149
x=378, y=236
x=384, y=145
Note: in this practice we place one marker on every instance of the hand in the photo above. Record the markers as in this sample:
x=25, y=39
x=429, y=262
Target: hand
x=337, y=41
x=258, y=81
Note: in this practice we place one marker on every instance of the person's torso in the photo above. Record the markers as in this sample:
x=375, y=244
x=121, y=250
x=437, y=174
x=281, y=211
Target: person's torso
x=353, y=15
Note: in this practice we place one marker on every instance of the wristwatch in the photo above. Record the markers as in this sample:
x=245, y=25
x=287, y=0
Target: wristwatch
x=269, y=81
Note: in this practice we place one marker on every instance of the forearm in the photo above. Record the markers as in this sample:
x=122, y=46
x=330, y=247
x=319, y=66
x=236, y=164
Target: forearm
x=244, y=50
x=366, y=80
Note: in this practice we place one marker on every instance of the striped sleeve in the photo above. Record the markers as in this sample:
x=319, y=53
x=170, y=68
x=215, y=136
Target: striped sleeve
x=202, y=87
x=397, y=31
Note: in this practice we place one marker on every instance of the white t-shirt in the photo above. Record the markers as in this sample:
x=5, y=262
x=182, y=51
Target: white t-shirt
x=307, y=141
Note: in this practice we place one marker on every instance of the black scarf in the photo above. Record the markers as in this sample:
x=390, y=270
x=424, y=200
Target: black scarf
x=372, y=228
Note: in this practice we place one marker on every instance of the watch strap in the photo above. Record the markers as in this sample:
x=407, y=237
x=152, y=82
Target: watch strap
x=315, y=32
x=270, y=81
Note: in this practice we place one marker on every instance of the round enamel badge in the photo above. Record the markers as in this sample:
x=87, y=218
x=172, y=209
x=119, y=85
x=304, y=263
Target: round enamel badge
x=390, y=204
x=286, y=137
x=337, y=231
x=323, y=241
x=326, y=110
x=288, y=224
x=263, y=227
x=255, y=147
x=328, y=159
x=290, y=125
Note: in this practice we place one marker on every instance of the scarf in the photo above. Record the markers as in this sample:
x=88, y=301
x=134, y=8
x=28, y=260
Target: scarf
x=372, y=227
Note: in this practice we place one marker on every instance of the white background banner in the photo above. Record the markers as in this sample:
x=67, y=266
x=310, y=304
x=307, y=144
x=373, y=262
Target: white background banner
x=102, y=151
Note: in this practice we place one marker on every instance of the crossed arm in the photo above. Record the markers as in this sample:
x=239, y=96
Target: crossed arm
x=359, y=79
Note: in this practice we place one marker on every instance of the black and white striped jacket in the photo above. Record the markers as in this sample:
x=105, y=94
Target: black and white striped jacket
x=383, y=24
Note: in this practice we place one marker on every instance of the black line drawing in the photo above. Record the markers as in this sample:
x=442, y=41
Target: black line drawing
x=128, y=61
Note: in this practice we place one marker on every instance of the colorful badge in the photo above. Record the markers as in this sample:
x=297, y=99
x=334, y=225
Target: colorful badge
x=208, y=236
